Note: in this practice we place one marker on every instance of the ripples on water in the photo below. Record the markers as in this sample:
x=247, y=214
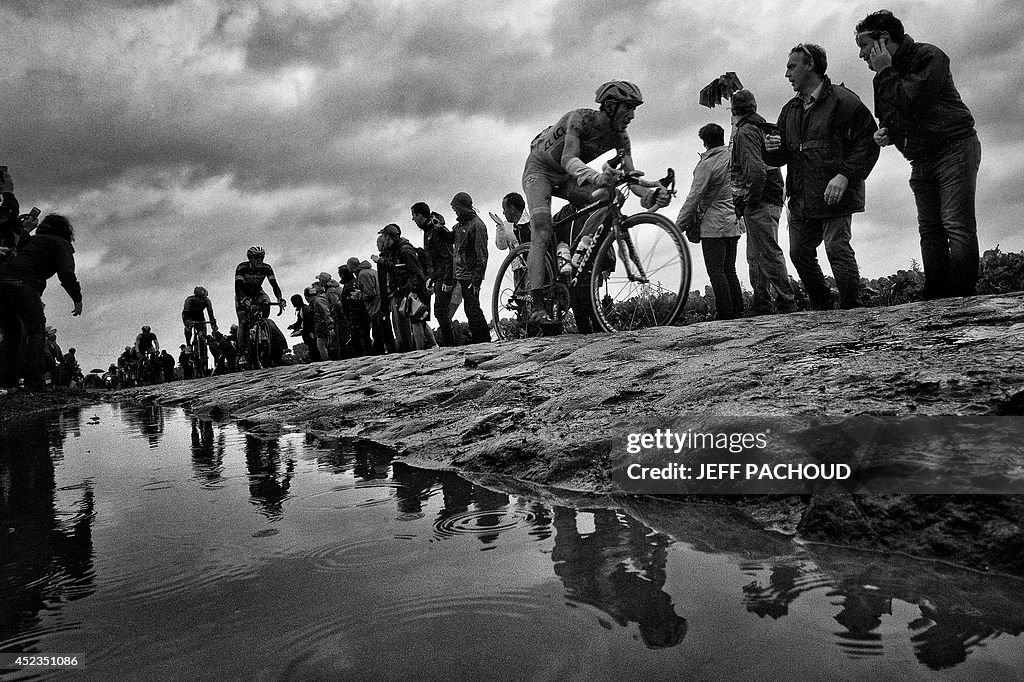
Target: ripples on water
x=161, y=546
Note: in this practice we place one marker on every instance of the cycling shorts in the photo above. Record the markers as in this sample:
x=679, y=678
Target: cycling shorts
x=541, y=182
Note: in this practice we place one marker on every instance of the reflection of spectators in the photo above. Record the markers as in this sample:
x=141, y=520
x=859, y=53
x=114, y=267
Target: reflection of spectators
x=268, y=487
x=786, y=582
x=593, y=569
x=45, y=556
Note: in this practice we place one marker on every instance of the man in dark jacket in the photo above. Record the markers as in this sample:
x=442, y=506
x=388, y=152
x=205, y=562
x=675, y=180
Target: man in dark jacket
x=22, y=281
x=757, y=199
x=405, y=276
x=367, y=290
x=166, y=365
x=920, y=111
x=825, y=139
x=470, y=263
x=437, y=243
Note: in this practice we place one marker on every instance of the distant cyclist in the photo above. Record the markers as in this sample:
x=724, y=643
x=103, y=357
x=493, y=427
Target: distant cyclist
x=249, y=277
x=146, y=342
x=193, y=315
x=557, y=166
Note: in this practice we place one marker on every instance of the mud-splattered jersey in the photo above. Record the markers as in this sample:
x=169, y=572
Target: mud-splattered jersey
x=594, y=139
x=249, y=278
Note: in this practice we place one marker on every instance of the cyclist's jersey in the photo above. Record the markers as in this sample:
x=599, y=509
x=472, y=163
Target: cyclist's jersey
x=249, y=279
x=195, y=307
x=144, y=342
x=594, y=139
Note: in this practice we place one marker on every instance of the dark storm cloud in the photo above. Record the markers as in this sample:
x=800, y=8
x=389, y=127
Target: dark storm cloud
x=177, y=134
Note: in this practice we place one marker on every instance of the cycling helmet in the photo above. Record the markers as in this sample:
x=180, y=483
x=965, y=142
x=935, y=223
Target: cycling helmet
x=255, y=252
x=619, y=91
x=200, y=292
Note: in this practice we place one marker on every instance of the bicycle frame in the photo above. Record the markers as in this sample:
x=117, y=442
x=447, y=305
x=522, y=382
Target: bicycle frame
x=200, y=348
x=612, y=220
x=616, y=238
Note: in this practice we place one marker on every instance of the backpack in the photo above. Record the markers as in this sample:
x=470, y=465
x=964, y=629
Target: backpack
x=421, y=258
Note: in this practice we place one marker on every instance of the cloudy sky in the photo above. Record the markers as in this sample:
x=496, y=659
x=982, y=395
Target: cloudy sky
x=176, y=133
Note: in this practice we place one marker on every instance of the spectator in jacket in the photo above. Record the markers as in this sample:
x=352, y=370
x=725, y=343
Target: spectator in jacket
x=512, y=232
x=22, y=281
x=405, y=278
x=185, y=361
x=920, y=111
x=355, y=315
x=70, y=370
x=437, y=243
x=365, y=294
x=13, y=230
x=166, y=364
x=757, y=199
x=709, y=205
x=369, y=284
x=304, y=326
x=470, y=263
x=825, y=139
x=323, y=322
x=53, y=356
x=335, y=301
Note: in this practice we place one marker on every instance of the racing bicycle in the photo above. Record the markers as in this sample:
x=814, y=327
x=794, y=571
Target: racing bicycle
x=635, y=274
x=199, y=348
x=259, y=347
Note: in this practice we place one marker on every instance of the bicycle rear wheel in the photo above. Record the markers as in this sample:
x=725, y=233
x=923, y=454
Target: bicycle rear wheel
x=509, y=308
x=653, y=246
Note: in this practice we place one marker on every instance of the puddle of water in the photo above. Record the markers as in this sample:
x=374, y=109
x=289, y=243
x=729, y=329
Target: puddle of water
x=160, y=546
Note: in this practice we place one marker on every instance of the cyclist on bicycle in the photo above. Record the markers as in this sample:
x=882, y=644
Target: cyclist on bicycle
x=557, y=167
x=249, y=276
x=193, y=315
x=146, y=342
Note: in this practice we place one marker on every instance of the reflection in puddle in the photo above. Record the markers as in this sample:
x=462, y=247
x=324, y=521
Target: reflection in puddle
x=158, y=542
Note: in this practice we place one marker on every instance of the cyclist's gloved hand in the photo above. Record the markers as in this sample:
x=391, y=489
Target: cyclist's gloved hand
x=609, y=177
x=657, y=196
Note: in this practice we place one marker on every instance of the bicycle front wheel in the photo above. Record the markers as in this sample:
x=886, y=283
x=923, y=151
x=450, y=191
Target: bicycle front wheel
x=509, y=310
x=642, y=278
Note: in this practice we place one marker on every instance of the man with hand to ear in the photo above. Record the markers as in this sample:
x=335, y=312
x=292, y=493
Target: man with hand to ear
x=920, y=111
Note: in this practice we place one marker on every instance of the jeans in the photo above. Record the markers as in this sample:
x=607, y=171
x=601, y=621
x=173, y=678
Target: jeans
x=944, y=189
x=478, y=328
x=720, y=260
x=402, y=326
x=443, y=313
x=766, y=261
x=805, y=235
x=383, y=334
x=21, y=317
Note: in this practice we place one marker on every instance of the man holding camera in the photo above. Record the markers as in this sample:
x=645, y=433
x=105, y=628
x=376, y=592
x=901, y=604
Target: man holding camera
x=921, y=112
